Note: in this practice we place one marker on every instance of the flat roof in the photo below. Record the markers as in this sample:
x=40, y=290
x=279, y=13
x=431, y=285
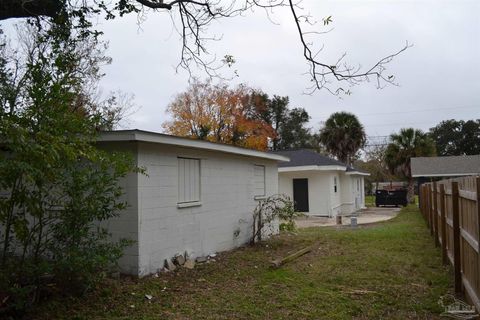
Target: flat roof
x=161, y=138
x=448, y=166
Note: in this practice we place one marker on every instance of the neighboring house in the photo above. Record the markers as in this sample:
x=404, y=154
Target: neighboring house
x=449, y=166
x=319, y=185
x=196, y=196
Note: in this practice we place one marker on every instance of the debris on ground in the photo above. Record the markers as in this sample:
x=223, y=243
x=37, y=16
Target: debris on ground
x=189, y=264
x=179, y=259
x=281, y=261
x=201, y=259
x=360, y=292
x=169, y=265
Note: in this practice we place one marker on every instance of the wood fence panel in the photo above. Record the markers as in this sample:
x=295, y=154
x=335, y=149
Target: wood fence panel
x=449, y=221
x=452, y=211
x=443, y=226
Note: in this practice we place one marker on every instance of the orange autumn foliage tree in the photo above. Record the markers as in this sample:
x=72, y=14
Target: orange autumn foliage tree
x=219, y=114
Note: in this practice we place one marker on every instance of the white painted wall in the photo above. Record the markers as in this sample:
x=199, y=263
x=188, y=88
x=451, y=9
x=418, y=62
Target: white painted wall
x=361, y=193
x=126, y=224
x=346, y=194
x=321, y=196
x=353, y=195
x=323, y=200
x=227, y=202
x=335, y=197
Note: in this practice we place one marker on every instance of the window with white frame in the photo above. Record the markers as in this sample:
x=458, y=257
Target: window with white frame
x=335, y=184
x=259, y=180
x=188, y=180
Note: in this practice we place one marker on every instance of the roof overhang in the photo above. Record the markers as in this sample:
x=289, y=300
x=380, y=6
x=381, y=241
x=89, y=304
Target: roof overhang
x=426, y=175
x=153, y=137
x=357, y=173
x=311, y=168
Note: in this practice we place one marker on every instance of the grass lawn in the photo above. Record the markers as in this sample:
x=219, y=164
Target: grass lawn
x=390, y=270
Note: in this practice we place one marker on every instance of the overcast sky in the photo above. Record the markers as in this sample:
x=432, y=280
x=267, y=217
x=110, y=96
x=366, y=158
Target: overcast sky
x=439, y=76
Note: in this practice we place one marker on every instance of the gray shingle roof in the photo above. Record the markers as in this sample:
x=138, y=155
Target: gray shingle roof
x=304, y=157
x=445, y=166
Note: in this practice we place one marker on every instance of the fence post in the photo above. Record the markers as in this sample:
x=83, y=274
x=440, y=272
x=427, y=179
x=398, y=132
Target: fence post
x=430, y=208
x=435, y=214
x=443, y=227
x=420, y=197
x=456, y=238
x=427, y=209
x=423, y=202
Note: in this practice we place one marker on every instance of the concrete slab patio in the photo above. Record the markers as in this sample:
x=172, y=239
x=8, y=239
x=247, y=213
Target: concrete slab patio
x=369, y=215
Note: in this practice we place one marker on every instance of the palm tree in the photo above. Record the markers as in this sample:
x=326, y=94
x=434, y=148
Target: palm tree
x=406, y=144
x=343, y=135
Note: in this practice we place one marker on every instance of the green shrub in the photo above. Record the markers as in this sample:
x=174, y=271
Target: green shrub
x=56, y=187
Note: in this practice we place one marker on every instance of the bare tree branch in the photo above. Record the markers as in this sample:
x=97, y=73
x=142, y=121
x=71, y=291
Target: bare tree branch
x=320, y=72
x=193, y=18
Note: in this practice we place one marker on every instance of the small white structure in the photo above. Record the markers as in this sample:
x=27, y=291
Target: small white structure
x=321, y=186
x=196, y=197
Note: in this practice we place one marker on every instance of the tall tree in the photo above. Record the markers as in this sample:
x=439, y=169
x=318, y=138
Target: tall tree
x=343, y=136
x=276, y=113
x=220, y=114
x=456, y=138
x=406, y=144
x=192, y=19
x=293, y=132
x=289, y=124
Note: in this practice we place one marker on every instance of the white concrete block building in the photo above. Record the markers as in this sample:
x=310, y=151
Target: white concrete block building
x=321, y=186
x=196, y=197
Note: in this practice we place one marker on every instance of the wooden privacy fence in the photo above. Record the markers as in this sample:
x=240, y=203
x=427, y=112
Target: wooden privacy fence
x=452, y=211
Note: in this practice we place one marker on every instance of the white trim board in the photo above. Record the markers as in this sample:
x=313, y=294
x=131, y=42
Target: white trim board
x=311, y=168
x=154, y=137
x=443, y=175
x=357, y=173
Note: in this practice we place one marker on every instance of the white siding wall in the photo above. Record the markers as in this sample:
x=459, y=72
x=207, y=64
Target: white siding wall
x=227, y=187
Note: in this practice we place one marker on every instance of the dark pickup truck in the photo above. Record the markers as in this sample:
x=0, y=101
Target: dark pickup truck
x=391, y=197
